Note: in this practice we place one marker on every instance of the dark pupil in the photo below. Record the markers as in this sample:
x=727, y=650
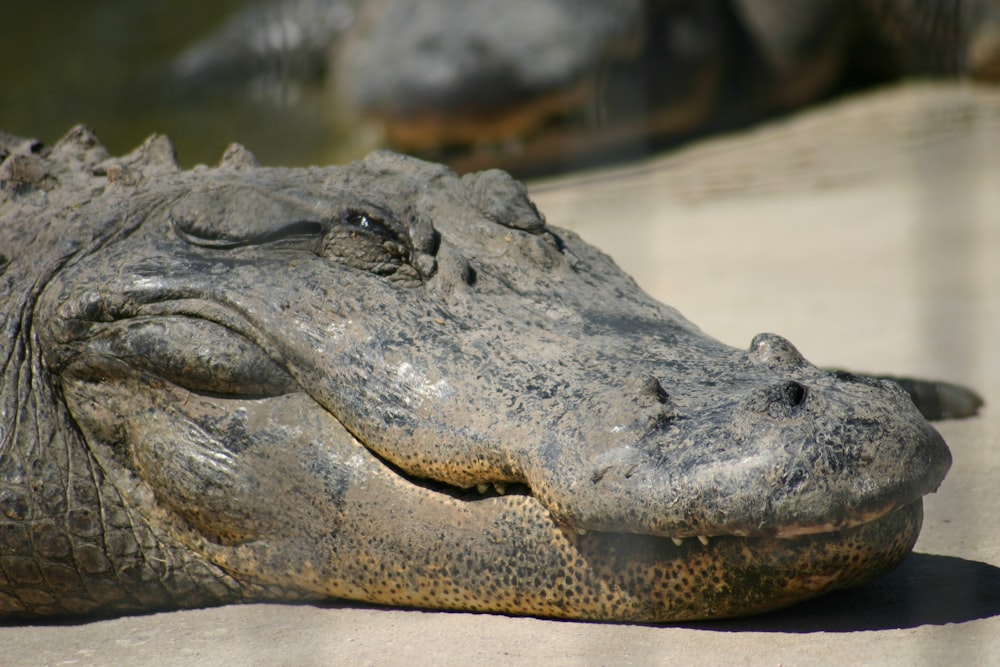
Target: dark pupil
x=370, y=224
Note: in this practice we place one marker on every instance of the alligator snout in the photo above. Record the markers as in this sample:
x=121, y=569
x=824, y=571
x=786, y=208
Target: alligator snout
x=771, y=446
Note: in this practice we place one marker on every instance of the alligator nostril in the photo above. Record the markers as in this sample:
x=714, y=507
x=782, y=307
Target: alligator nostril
x=777, y=400
x=793, y=393
x=771, y=350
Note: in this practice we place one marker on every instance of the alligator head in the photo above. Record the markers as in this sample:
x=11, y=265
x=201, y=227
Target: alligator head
x=388, y=383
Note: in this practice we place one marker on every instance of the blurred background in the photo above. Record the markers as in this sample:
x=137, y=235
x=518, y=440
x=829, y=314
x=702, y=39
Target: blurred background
x=109, y=64
x=535, y=86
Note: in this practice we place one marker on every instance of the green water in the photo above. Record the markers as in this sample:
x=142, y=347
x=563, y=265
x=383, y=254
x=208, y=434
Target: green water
x=102, y=63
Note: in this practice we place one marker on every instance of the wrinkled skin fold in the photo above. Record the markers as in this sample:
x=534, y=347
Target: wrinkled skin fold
x=243, y=383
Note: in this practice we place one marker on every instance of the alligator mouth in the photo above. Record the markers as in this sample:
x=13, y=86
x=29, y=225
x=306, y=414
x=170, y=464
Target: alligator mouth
x=657, y=578
x=488, y=490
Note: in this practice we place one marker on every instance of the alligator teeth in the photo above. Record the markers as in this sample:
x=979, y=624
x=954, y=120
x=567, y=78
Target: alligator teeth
x=703, y=539
x=677, y=541
x=482, y=488
x=500, y=487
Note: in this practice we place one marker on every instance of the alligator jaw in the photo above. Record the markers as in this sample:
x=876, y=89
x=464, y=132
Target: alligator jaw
x=505, y=554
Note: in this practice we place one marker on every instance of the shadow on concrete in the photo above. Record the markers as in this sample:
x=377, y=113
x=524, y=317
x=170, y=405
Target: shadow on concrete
x=924, y=590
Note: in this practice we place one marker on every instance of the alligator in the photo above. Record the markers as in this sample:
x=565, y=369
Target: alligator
x=538, y=86
x=391, y=384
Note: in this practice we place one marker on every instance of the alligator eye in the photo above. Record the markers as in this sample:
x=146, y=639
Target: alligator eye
x=369, y=223
x=367, y=241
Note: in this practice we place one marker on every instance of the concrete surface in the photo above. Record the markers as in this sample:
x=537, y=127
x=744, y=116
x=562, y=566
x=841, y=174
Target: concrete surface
x=869, y=234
